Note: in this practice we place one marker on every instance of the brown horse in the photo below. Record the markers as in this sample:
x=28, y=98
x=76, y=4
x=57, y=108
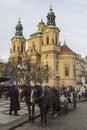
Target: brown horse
x=46, y=98
x=25, y=92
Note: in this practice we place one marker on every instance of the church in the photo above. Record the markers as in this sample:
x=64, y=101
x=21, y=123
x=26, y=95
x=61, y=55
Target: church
x=44, y=47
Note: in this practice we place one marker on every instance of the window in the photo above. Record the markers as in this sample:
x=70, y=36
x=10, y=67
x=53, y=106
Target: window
x=66, y=71
x=18, y=48
x=14, y=47
x=21, y=48
x=47, y=79
x=47, y=40
x=57, y=66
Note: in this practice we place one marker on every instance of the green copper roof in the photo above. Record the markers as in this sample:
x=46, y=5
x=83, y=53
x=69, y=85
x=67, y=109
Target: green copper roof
x=51, y=12
x=19, y=29
x=18, y=37
x=51, y=17
x=39, y=33
x=52, y=26
x=41, y=22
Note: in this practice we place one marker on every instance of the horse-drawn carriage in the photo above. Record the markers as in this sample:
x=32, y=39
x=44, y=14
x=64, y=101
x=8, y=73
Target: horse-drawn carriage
x=46, y=98
x=68, y=97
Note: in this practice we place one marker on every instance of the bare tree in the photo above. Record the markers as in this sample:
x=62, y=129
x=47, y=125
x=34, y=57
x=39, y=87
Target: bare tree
x=40, y=73
x=13, y=69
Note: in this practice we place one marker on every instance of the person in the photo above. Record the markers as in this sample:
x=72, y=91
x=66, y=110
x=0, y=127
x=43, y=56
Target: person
x=1, y=90
x=14, y=102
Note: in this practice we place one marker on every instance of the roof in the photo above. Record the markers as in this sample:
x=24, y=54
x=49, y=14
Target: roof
x=3, y=79
x=39, y=33
x=66, y=50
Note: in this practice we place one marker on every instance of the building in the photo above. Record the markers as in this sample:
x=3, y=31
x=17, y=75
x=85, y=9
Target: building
x=44, y=47
x=2, y=68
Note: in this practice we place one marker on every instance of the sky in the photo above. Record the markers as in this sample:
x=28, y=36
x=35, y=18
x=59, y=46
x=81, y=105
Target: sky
x=71, y=19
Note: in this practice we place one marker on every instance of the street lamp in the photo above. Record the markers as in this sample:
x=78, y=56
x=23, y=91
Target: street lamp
x=22, y=69
x=57, y=78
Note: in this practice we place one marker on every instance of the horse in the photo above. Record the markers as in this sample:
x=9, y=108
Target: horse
x=45, y=98
x=81, y=93
x=26, y=92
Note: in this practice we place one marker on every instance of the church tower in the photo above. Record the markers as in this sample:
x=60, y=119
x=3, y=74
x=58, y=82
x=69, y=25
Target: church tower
x=18, y=43
x=51, y=17
x=51, y=46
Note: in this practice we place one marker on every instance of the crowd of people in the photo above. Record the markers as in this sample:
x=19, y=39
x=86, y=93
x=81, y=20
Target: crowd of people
x=81, y=91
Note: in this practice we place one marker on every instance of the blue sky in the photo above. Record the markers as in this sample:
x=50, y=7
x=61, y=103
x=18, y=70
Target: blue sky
x=71, y=18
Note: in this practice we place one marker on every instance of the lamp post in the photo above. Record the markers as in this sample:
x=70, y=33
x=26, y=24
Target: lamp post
x=22, y=69
x=57, y=78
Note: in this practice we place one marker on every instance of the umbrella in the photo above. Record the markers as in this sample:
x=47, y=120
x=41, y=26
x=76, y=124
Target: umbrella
x=3, y=79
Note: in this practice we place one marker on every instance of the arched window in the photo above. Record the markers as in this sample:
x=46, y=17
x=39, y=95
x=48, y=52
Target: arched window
x=57, y=66
x=14, y=47
x=47, y=40
x=66, y=71
x=21, y=48
x=18, y=48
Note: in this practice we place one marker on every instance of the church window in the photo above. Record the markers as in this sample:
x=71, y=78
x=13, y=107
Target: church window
x=18, y=48
x=21, y=48
x=47, y=79
x=52, y=41
x=66, y=71
x=47, y=40
x=57, y=66
x=14, y=47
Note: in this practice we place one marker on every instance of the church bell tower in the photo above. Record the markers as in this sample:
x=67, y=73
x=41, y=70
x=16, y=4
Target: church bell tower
x=18, y=42
x=51, y=46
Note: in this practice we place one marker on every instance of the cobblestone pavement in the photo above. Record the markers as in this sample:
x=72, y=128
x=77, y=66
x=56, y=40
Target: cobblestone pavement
x=74, y=120
x=7, y=121
x=4, y=111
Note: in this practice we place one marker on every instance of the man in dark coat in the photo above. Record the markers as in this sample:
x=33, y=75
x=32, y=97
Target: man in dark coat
x=14, y=103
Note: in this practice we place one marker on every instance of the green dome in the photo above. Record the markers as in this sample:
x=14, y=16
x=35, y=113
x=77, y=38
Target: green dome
x=51, y=17
x=19, y=25
x=51, y=12
x=41, y=22
x=19, y=29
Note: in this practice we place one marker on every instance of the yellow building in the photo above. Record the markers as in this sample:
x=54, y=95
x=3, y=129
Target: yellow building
x=44, y=46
